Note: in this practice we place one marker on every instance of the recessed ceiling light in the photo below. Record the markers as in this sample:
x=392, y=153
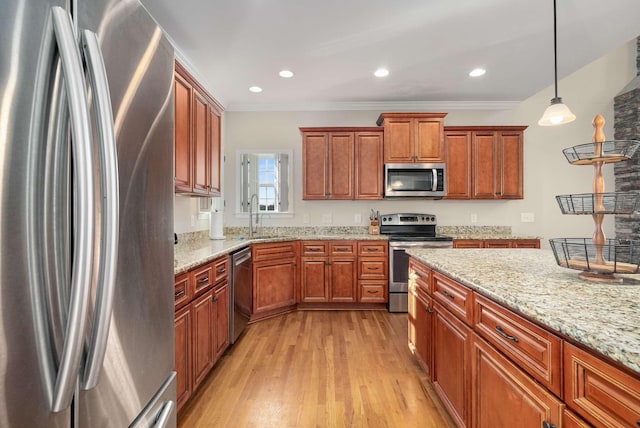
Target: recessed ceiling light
x=255, y=89
x=286, y=74
x=476, y=72
x=381, y=72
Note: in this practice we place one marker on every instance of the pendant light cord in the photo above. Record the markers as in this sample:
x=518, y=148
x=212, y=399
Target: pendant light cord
x=555, y=49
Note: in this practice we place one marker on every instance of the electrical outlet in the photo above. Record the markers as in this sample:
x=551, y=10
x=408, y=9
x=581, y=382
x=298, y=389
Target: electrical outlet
x=193, y=220
x=357, y=218
x=527, y=217
x=326, y=218
x=305, y=218
x=473, y=217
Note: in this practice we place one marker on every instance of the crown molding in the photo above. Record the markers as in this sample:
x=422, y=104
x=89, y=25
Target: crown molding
x=389, y=106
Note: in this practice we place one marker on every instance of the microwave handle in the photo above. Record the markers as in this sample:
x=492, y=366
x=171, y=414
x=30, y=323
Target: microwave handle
x=435, y=179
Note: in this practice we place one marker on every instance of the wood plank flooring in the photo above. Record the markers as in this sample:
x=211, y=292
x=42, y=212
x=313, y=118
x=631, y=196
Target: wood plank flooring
x=318, y=369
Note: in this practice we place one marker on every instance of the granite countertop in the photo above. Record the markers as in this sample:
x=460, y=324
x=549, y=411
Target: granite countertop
x=191, y=253
x=603, y=317
x=483, y=236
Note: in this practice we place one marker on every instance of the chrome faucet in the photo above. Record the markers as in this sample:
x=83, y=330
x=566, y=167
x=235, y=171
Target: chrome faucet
x=251, y=231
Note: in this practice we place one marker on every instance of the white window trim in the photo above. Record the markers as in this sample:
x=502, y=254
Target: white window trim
x=267, y=214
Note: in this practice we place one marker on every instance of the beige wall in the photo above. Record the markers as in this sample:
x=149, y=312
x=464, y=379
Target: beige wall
x=588, y=92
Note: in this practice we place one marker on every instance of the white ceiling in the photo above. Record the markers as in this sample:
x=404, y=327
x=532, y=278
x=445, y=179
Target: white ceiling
x=429, y=46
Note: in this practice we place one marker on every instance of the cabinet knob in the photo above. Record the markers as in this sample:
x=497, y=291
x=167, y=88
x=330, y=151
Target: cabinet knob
x=429, y=310
x=214, y=299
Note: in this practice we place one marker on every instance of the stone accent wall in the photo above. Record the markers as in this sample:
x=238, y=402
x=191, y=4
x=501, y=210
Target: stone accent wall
x=627, y=174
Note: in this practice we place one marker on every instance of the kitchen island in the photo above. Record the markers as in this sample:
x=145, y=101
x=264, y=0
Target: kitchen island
x=603, y=317
x=488, y=324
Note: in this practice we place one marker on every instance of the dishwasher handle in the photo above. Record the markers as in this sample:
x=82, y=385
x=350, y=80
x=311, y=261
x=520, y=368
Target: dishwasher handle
x=241, y=257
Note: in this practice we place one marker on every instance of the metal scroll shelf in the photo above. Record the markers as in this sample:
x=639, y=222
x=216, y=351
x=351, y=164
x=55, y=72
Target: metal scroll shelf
x=598, y=258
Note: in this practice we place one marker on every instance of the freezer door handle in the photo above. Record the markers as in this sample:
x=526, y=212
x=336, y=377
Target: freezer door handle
x=164, y=417
x=109, y=202
x=60, y=378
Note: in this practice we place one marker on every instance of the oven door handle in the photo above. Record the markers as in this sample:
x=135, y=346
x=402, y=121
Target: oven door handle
x=420, y=244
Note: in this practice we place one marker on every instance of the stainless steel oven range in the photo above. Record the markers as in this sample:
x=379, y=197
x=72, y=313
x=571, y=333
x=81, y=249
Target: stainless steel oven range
x=407, y=231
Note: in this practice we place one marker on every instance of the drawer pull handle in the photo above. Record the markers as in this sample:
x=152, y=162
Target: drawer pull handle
x=546, y=424
x=221, y=270
x=505, y=335
x=449, y=295
x=429, y=310
x=203, y=280
x=313, y=249
x=342, y=248
x=371, y=248
x=372, y=291
x=180, y=293
x=372, y=268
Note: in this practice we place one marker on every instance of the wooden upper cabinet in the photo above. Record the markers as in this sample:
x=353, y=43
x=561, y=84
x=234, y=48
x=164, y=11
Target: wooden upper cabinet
x=183, y=148
x=215, y=146
x=341, y=163
x=341, y=151
x=201, y=165
x=458, y=149
x=484, y=162
x=369, y=164
x=197, y=137
x=314, y=164
x=413, y=137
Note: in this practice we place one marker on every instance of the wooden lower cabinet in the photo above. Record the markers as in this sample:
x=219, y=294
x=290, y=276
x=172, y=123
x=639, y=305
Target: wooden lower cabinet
x=421, y=330
x=342, y=280
x=203, y=336
x=504, y=396
x=451, y=371
x=496, y=243
x=221, y=320
x=313, y=281
x=328, y=279
x=602, y=394
x=182, y=340
x=275, y=278
x=571, y=420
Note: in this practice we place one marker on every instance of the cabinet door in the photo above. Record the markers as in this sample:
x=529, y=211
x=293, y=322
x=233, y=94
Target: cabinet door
x=201, y=164
x=221, y=319
x=274, y=285
x=182, y=128
x=341, y=152
x=214, y=156
x=458, y=147
x=485, y=165
x=510, y=165
x=183, y=334
x=421, y=330
x=203, y=336
x=504, y=396
x=343, y=278
x=451, y=370
x=368, y=165
x=398, y=143
x=314, y=165
x=428, y=140
x=314, y=280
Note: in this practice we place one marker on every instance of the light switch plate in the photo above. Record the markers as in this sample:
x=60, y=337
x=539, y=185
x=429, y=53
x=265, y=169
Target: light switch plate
x=357, y=218
x=527, y=217
x=473, y=218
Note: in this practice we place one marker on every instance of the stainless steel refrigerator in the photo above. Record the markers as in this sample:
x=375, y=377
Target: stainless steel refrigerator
x=86, y=216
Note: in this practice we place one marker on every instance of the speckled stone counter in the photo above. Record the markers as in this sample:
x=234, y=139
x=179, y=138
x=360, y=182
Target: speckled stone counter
x=480, y=232
x=197, y=249
x=603, y=317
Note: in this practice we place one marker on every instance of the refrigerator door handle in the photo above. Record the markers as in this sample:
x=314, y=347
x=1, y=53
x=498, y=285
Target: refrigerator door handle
x=109, y=202
x=164, y=417
x=81, y=270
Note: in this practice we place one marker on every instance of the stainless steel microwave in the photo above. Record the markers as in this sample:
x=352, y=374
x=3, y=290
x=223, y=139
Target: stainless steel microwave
x=414, y=180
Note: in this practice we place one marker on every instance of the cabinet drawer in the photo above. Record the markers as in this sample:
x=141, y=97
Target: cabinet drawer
x=602, y=394
x=182, y=289
x=525, y=243
x=372, y=268
x=373, y=291
x=534, y=349
x=497, y=243
x=203, y=277
x=273, y=251
x=372, y=248
x=342, y=248
x=420, y=275
x=314, y=248
x=221, y=269
x=455, y=297
x=468, y=243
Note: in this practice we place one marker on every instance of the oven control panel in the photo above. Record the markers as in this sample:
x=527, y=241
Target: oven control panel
x=407, y=219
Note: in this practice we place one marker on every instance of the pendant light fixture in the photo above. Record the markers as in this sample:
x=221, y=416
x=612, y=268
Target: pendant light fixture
x=557, y=113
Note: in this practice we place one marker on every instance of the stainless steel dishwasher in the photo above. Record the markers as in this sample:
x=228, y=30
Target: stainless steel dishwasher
x=241, y=295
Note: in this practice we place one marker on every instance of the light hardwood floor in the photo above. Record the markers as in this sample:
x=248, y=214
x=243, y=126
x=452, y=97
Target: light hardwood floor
x=318, y=369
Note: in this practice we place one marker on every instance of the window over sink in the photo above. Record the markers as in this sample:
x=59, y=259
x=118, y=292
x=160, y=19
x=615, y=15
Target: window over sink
x=267, y=174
